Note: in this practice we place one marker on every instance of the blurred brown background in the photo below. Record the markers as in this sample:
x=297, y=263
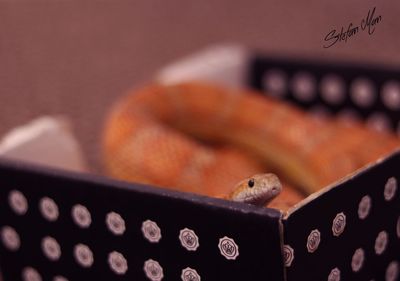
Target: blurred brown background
x=75, y=57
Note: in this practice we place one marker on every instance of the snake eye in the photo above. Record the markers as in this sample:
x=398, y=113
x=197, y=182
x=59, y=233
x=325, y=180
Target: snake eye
x=250, y=183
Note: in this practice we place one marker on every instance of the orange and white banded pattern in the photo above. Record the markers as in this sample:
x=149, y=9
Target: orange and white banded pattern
x=202, y=138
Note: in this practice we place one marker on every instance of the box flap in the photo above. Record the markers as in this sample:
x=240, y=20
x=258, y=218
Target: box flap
x=353, y=227
x=86, y=228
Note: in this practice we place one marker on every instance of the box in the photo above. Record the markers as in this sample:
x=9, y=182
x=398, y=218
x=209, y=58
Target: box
x=58, y=225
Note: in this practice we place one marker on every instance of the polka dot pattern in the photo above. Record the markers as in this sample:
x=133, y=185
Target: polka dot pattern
x=115, y=223
x=375, y=228
x=10, y=238
x=392, y=271
x=49, y=209
x=60, y=278
x=18, y=202
x=228, y=248
x=349, y=116
x=379, y=122
x=334, y=275
x=153, y=270
x=52, y=213
x=31, y=274
x=117, y=263
x=354, y=96
x=189, y=240
x=304, y=86
x=288, y=255
x=391, y=94
x=381, y=242
x=51, y=248
x=320, y=112
x=313, y=240
x=83, y=255
x=275, y=82
x=364, y=207
x=81, y=216
x=190, y=274
x=333, y=89
x=352, y=93
x=151, y=231
x=362, y=92
x=339, y=223
x=357, y=261
x=390, y=189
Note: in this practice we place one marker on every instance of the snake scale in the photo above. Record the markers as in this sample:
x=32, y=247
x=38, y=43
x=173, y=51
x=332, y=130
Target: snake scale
x=202, y=138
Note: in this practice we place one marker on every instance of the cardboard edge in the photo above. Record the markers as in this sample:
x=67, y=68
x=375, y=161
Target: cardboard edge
x=107, y=182
x=309, y=60
x=359, y=172
x=282, y=242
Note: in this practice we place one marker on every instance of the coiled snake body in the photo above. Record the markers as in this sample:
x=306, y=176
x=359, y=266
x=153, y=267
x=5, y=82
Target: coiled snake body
x=204, y=139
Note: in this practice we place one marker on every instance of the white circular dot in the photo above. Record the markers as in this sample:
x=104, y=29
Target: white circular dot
x=115, y=223
x=334, y=275
x=189, y=240
x=10, y=238
x=362, y=92
x=357, y=260
x=117, y=263
x=81, y=216
x=30, y=274
x=18, y=202
x=49, y=209
x=390, y=189
x=381, y=242
x=313, y=240
x=153, y=270
x=379, y=122
x=364, y=207
x=228, y=248
x=288, y=255
x=60, y=278
x=303, y=86
x=275, y=82
x=349, y=116
x=391, y=95
x=190, y=274
x=392, y=271
x=333, y=89
x=83, y=255
x=51, y=248
x=320, y=112
x=151, y=231
x=339, y=224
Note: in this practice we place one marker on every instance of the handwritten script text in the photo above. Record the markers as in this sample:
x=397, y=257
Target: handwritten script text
x=367, y=24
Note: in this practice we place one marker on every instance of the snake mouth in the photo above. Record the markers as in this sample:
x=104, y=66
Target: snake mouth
x=259, y=197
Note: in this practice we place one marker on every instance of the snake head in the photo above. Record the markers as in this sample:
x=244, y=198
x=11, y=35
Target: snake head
x=258, y=190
